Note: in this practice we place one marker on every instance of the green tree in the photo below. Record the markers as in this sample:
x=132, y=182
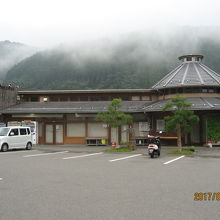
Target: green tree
x=114, y=117
x=181, y=117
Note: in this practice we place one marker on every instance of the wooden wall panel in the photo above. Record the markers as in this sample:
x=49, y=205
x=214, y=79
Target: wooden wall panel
x=74, y=140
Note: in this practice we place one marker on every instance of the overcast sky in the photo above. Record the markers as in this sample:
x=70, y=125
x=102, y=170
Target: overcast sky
x=45, y=23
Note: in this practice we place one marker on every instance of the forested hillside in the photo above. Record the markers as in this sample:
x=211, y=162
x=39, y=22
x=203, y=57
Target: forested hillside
x=135, y=61
x=12, y=53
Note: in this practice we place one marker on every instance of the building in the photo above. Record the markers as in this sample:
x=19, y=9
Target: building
x=196, y=82
x=8, y=96
x=67, y=116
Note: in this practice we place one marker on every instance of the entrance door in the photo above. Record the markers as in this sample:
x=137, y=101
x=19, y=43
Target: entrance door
x=54, y=133
x=58, y=134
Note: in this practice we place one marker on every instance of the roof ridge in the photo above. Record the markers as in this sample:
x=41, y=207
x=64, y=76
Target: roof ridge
x=203, y=67
x=185, y=73
x=167, y=75
x=200, y=77
x=177, y=71
x=210, y=69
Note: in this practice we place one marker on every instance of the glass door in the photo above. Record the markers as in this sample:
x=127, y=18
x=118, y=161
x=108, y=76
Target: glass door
x=59, y=134
x=54, y=133
x=49, y=134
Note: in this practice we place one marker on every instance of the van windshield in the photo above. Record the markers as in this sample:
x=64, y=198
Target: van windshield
x=4, y=131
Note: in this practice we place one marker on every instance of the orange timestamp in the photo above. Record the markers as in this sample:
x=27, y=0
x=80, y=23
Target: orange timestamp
x=208, y=196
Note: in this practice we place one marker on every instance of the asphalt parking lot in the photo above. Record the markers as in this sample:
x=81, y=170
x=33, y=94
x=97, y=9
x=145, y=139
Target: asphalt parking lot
x=56, y=183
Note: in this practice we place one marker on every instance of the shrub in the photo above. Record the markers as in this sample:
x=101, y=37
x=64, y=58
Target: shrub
x=213, y=128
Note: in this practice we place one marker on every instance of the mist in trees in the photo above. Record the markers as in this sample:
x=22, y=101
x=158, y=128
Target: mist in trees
x=132, y=61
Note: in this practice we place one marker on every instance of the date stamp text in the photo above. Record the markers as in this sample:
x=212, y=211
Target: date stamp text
x=208, y=196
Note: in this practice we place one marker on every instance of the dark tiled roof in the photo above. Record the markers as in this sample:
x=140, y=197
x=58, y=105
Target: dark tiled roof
x=197, y=104
x=189, y=74
x=21, y=92
x=72, y=107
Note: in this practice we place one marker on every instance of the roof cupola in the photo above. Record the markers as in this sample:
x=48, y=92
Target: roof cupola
x=190, y=73
x=191, y=58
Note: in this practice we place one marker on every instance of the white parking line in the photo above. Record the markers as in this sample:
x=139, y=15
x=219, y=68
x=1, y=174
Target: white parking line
x=45, y=154
x=1, y=179
x=170, y=161
x=85, y=155
x=124, y=158
x=14, y=152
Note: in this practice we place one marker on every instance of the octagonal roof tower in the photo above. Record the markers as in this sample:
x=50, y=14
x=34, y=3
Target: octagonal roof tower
x=190, y=73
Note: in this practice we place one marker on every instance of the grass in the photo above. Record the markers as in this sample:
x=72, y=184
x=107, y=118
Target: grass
x=192, y=148
x=184, y=152
x=121, y=149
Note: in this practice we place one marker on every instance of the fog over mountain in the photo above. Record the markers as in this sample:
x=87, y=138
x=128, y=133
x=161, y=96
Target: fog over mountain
x=12, y=53
x=135, y=60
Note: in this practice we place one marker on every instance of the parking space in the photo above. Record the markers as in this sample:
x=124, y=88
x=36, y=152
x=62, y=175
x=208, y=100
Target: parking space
x=65, y=183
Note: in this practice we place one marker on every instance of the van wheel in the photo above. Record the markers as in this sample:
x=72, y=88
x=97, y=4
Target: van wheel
x=4, y=148
x=28, y=146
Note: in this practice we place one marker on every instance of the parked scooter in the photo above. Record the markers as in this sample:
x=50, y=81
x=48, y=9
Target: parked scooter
x=154, y=146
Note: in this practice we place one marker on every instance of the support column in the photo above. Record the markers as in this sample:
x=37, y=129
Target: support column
x=86, y=129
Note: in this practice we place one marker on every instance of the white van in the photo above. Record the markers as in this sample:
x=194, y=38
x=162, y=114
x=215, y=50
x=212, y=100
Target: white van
x=15, y=137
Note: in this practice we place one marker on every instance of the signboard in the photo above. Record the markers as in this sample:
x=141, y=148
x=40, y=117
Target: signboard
x=14, y=123
x=3, y=124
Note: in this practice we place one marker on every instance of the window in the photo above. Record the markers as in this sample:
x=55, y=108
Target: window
x=26, y=99
x=166, y=91
x=54, y=99
x=172, y=91
x=94, y=98
x=160, y=125
x=189, y=59
x=211, y=90
x=75, y=129
x=103, y=98
x=73, y=98
x=135, y=98
x=13, y=132
x=34, y=99
x=97, y=130
x=23, y=131
x=63, y=99
x=145, y=98
x=126, y=98
x=196, y=90
x=114, y=97
x=28, y=131
x=83, y=98
x=180, y=90
x=188, y=90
